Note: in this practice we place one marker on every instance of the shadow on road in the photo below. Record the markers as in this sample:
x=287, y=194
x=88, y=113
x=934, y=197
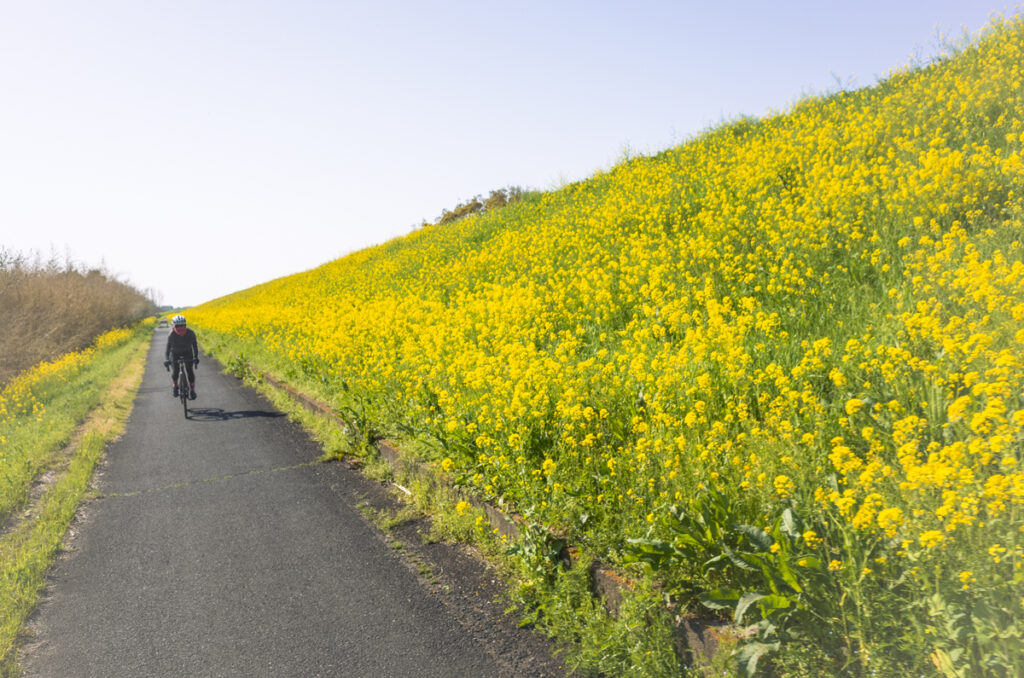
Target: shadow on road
x=217, y=414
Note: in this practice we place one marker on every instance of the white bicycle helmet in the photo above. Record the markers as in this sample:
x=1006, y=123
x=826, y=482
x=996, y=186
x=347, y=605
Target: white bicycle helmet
x=178, y=320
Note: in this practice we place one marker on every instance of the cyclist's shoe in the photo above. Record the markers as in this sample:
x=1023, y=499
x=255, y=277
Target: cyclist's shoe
x=192, y=395
x=175, y=394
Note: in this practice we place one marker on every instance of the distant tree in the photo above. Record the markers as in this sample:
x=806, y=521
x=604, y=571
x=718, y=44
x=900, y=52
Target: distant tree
x=498, y=198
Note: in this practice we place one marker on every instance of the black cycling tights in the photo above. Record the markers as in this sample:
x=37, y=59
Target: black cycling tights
x=188, y=371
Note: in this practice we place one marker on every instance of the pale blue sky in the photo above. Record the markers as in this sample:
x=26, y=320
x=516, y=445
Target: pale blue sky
x=262, y=138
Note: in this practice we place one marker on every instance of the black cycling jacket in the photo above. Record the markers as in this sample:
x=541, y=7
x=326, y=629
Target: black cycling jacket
x=181, y=345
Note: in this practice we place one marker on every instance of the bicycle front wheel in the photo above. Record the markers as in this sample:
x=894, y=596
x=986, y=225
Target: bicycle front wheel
x=183, y=389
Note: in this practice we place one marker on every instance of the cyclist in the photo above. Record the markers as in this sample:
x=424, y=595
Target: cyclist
x=181, y=343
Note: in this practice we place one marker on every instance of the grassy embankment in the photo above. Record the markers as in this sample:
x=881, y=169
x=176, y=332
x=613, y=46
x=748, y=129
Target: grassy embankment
x=775, y=371
x=66, y=385
x=55, y=421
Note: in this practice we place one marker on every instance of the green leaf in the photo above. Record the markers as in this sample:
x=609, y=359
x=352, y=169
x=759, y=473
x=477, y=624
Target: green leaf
x=757, y=536
x=721, y=599
x=654, y=551
x=650, y=545
x=744, y=604
x=790, y=525
x=769, y=604
x=750, y=653
x=944, y=664
x=689, y=529
x=787, y=575
x=689, y=541
x=744, y=561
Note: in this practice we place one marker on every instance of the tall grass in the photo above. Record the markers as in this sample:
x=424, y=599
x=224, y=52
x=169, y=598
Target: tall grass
x=775, y=371
x=55, y=307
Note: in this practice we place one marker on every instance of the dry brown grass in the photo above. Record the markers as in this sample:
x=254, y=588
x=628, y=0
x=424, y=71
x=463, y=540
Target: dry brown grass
x=50, y=308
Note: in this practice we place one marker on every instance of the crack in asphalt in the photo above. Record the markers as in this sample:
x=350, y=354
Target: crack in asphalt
x=216, y=479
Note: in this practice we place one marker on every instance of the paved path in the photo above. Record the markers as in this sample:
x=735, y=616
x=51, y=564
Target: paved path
x=219, y=547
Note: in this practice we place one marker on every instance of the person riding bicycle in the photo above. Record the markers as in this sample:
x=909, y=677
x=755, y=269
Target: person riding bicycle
x=181, y=343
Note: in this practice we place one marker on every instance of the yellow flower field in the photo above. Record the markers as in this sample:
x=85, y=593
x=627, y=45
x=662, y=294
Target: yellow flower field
x=29, y=430
x=815, y=318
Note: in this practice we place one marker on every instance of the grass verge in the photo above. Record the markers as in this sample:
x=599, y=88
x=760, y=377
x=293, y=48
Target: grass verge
x=41, y=409
x=28, y=548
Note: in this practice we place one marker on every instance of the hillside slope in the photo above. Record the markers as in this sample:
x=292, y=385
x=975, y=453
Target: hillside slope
x=784, y=358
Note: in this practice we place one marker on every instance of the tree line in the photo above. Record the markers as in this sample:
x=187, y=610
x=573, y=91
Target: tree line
x=478, y=204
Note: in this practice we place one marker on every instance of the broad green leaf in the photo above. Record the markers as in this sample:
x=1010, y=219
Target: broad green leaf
x=761, y=539
x=654, y=551
x=721, y=599
x=744, y=561
x=790, y=525
x=690, y=542
x=788, y=576
x=944, y=664
x=750, y=653
x=745, y=601
x=716, y=564
x=769, y=604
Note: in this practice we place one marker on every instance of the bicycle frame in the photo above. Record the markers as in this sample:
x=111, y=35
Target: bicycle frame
x=183, y=385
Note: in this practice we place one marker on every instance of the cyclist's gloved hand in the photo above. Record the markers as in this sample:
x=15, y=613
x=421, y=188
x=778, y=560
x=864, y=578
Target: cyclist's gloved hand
x=195, y=363
x=167, y=363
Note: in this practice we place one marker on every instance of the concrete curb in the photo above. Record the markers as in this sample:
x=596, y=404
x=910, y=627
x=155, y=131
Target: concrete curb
x=697, y=640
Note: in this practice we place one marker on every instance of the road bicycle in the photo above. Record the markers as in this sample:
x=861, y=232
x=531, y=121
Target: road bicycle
x=183, y=386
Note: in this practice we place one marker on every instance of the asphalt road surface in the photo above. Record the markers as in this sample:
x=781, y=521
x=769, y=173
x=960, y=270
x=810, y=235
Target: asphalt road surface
x=219, y=547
